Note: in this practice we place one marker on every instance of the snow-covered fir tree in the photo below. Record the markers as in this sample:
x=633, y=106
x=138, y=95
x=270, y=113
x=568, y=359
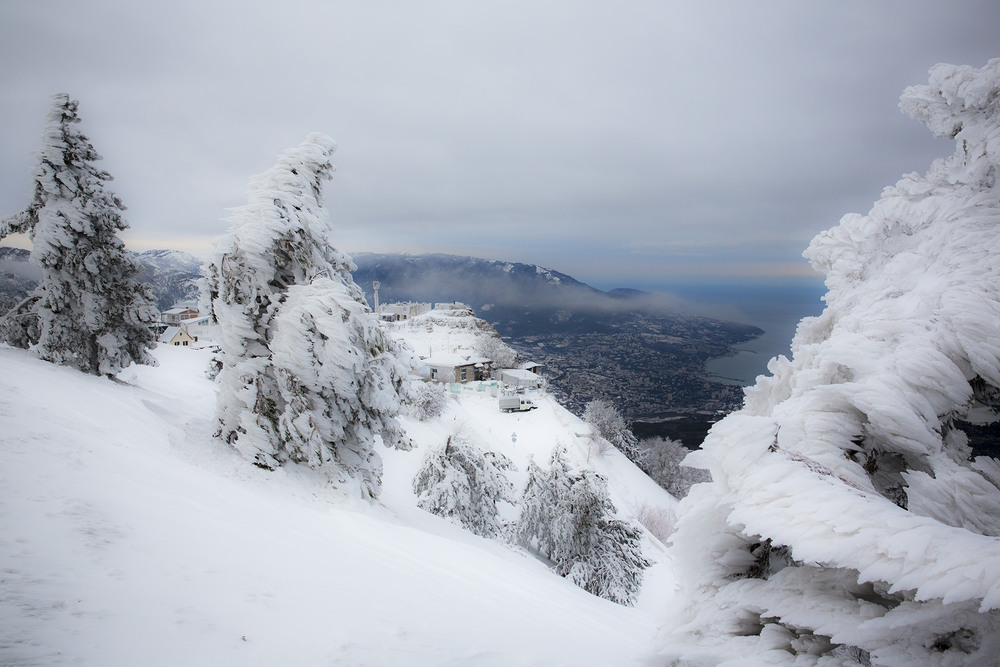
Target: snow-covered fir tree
x=611, y=428
x=535, y=527
x=88, y=311
x=307, y=375
x=596, y=551
x=339, y=380
x=464, y=484
x=847, y=521
x=568, y=517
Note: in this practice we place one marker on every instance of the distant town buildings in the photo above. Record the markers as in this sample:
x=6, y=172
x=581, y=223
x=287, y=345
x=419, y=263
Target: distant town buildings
x=183, y=326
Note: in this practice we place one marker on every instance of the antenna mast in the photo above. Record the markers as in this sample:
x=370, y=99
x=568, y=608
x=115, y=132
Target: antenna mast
x=375, y=285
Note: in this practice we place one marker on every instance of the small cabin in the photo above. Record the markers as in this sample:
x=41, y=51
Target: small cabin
x=177, y=336
x=456, y=367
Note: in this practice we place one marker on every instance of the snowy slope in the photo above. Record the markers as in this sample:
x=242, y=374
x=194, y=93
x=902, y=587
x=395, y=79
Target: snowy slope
x=128, y=535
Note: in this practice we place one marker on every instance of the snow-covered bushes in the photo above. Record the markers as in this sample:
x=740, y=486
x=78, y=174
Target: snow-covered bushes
x=88, y=311
x=462, y=483
x=661, y=459
x=429, y=401
x=568, y=517
x=610, y=426
x=846, y=519
x=307, y=375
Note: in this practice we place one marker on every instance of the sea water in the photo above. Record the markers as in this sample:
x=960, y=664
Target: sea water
x=774, y=306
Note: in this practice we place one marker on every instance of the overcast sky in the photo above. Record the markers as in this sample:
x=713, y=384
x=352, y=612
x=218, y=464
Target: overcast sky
x=620, y=142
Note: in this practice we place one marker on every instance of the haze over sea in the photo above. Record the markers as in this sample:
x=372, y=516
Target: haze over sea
x=776, y=307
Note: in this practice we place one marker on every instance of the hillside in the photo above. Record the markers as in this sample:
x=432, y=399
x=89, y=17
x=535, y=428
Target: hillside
x=128, y=535
x=632, y=347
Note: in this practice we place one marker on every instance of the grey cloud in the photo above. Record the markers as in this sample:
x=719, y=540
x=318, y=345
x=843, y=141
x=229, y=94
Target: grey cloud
x=559, y=133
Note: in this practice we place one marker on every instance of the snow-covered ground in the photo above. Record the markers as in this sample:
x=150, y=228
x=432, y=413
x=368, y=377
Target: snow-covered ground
x=130, y=536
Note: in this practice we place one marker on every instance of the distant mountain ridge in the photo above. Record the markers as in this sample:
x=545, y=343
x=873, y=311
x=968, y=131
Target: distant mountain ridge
x=624, y=345
x=475, y=281
x=173, y=275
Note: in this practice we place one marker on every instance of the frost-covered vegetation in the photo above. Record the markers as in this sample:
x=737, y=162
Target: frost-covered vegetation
x=88, y=311
x=464, y=484
x=847, y=521
x=610, y=428
x=307, y=374
x=663, y=460
x=568, y=518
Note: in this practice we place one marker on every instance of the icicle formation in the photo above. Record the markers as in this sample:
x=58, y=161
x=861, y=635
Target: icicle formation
x=88, y=311
x=307, y=374
x=846, y=518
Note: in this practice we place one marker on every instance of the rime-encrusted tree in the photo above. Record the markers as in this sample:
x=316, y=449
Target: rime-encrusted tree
x=661, y=459
x=600, y=553
x=464, y=484
x=88, y=311
x=568, y=517
x=307, y=375
x=492, y=347
x=609, y=424
x=847, y=521
x=429, y=400
x=340, y=382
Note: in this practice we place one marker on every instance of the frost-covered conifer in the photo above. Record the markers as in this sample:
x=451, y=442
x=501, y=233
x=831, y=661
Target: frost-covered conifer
x=597, y=552
x=611, y=427
x=88, y=310
x=339, y=381
x=307, y=375
x=543, y=491
x=847, y=521
x=568, y=517
x=464, y=484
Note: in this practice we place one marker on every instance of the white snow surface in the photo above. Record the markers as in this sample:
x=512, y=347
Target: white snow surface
x=130, y=536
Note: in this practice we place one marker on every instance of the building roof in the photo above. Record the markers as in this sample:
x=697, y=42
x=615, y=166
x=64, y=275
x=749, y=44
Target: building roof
x=172, y=332
x=455, y=360
x=520, y=374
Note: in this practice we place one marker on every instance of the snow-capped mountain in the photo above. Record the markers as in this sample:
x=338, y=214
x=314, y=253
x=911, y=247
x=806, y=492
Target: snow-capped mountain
x=481, y=283
x=173, y=275
x=17, y=277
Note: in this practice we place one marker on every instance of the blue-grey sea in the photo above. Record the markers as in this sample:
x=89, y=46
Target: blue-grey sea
x=775, y=307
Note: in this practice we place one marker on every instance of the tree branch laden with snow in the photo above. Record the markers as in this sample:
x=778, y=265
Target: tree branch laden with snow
x=847, y=519
x=88, y=311
x=307, y=374
x=462, y=483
